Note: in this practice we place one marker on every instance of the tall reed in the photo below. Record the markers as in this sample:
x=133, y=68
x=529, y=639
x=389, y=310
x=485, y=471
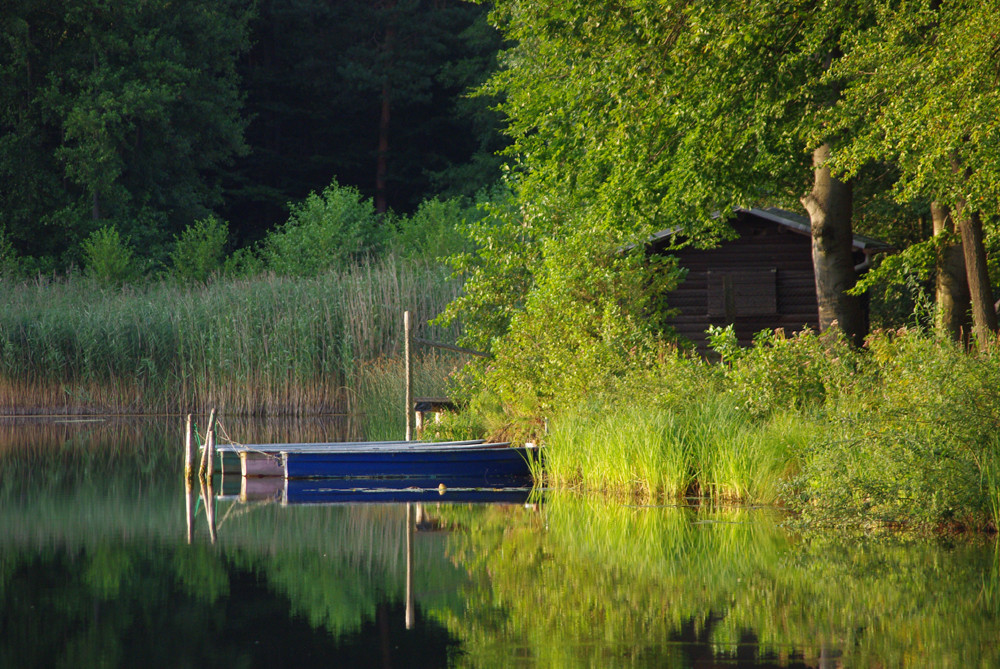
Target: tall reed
x=267, y=345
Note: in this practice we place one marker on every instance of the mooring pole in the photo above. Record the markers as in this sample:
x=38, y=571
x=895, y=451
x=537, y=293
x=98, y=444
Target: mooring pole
x=407, y=335
x=189, y=449
x=210, y=449
x=205, y=455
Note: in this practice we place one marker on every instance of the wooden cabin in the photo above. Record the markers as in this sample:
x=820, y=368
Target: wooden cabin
x=763, y=279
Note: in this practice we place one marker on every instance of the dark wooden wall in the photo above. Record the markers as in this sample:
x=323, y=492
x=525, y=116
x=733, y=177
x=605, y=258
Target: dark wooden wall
x=764, y=279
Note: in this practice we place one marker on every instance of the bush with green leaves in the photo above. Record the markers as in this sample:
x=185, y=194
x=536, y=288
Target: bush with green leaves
x=327, y=230
x=8, y=256
x=786, y=373
x=595, y=313
x=920, y=447
x=433, y=231
x=108, y=257
x=200, y=250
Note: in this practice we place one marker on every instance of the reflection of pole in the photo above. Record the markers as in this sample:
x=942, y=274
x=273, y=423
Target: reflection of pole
x=210, y=510
x=410, y=529
x=208, y=499
x=189, y=501
x=409, y=375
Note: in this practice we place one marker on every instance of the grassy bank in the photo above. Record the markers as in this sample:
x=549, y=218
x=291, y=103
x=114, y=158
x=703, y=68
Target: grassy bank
x=267, y=345
x=905, y=432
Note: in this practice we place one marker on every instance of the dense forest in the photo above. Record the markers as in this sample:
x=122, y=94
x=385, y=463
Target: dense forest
x=150, y=116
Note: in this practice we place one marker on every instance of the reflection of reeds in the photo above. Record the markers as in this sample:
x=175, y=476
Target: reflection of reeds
x=266, y=345
x=603, y=580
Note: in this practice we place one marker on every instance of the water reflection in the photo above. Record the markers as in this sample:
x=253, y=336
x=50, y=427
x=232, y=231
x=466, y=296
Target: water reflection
x=96, y=569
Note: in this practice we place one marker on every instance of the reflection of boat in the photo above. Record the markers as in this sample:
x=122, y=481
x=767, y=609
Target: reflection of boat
x=481, y=463
x=354, y=491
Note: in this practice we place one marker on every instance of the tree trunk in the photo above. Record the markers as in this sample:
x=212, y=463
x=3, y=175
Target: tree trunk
x=382, y=159
x=984, y=313
x=382, y=162
x=951, y=285
x=829, y=205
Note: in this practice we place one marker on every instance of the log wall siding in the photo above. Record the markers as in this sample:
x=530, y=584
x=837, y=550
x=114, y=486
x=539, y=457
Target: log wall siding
x=761, y=246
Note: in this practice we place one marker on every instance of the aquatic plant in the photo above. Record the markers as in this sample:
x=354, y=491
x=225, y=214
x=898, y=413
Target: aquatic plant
x=274, y=345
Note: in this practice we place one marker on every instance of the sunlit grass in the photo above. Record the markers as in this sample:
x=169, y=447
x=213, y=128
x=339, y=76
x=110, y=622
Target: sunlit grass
x=652, y=452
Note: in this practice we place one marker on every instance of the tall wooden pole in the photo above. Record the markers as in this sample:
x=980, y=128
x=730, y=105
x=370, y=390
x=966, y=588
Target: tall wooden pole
x=409, y=375
x=189, y=449
x=205, y=454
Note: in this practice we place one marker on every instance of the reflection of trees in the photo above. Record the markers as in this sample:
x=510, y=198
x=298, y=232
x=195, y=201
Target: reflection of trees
x=89, y=564
x=674, y=587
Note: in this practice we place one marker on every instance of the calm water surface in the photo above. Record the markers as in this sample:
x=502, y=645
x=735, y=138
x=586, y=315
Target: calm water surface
x=97, y=569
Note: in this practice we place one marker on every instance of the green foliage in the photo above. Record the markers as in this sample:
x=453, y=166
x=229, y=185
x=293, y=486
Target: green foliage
x=328, y=230
x=596, y=311
x=919, y=447
x=108, y=257
x=433, y=231
x=200, y=250
x=800, y=373
x=496, y=275
x=8, y=256
x=123, y=113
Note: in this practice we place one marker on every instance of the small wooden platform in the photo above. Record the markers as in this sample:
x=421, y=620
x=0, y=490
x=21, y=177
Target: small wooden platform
x=431, y=405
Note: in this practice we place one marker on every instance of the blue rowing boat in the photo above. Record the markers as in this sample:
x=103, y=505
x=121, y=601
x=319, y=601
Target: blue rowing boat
x=487, y=463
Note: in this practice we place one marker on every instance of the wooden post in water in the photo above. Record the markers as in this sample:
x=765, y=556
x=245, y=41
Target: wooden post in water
x=189, y=449
x=205, y=454
x=410, y=532
x=210, y=449
x=409, y=375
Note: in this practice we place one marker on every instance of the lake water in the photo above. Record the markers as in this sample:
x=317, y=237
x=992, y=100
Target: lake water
x=97, y=570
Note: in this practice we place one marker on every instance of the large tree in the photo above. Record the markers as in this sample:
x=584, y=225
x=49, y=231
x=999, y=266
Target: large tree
x=115, y=112
x=643, y=114
x=924, y=93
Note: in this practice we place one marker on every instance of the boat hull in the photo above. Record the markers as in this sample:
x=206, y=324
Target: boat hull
x=486, y=465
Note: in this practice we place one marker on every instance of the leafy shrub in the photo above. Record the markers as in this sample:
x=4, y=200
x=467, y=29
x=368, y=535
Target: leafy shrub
x=243, y=263
x=781, y=373
x=326, y=230
x=8, y=256
x=200, y=249
x=919, y=447
x=433, y=231
x=108, y=257
x=594, y=315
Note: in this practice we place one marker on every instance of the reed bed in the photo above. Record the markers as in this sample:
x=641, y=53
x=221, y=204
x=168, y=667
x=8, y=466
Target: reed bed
x=268, y=345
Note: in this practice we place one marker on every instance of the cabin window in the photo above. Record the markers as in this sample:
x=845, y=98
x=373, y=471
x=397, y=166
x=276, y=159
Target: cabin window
x=732, y=294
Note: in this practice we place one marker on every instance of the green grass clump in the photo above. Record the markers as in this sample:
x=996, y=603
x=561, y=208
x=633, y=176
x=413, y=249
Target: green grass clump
x=712, y=448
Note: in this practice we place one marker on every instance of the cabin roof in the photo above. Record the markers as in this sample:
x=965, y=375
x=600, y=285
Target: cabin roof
x=785, y=218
